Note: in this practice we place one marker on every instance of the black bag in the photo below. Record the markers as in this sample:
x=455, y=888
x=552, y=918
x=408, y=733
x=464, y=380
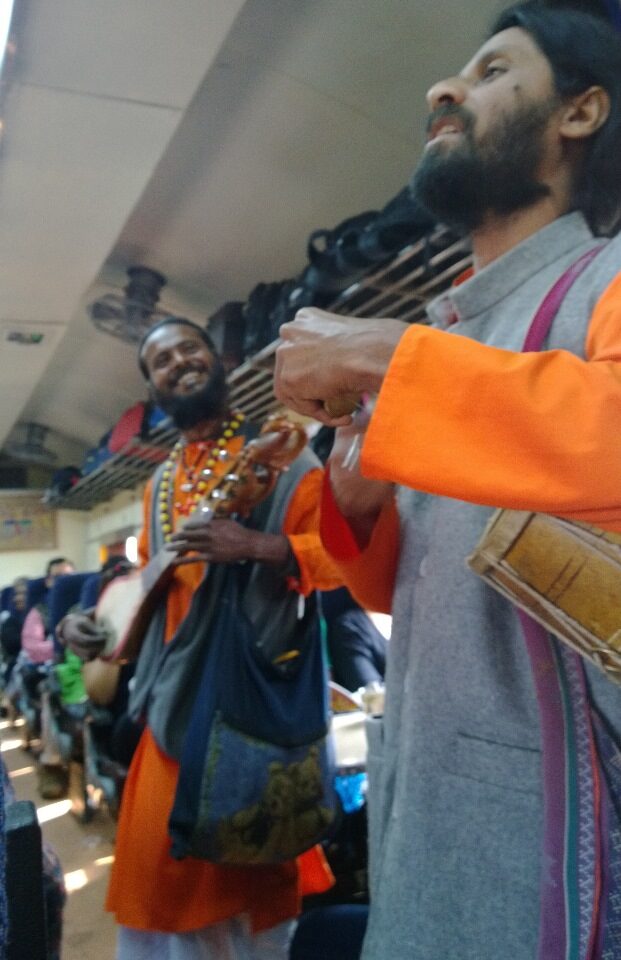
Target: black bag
x=402, y=221
x=256, y=780
x=334, y=253
x=227, y=327
x=259, y=325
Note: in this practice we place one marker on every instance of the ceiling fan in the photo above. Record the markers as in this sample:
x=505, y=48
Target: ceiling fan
x=31, y=447
x=128, y=315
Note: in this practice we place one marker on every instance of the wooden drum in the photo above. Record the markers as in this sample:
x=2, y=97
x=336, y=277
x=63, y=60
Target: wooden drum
x=566, y=575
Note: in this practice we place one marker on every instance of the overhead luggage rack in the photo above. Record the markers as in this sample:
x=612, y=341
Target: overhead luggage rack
x=398, y=289
x=124, y=470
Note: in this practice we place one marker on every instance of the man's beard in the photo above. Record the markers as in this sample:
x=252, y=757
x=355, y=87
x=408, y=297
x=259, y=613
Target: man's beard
x=208, y=403
x=462, y=184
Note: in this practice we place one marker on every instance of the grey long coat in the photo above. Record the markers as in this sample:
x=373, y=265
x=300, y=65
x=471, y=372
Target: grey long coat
x=455, y=782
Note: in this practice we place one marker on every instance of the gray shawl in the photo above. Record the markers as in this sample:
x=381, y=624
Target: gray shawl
x=167, y=675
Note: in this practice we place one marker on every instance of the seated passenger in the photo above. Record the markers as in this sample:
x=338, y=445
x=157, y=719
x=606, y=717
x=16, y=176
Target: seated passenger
x=107, y=684
x=37, y=645
x=64, y=700
x=11, y=623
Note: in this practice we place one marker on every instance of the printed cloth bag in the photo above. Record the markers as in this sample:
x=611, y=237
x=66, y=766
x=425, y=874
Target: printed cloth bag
x=256, y=781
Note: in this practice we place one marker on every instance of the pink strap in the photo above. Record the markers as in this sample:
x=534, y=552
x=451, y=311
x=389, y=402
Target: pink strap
x=543, y=319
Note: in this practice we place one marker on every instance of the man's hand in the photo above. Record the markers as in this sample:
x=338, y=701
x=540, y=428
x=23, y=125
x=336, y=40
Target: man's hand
x=359, y=500
x=222, y=540
x=325, y=356
x=78, y=632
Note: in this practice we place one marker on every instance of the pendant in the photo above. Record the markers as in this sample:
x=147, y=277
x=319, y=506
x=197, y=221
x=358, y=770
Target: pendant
x=207, y=472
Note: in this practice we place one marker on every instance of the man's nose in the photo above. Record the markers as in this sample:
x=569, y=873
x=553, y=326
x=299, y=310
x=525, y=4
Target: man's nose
x=450, y=91
x=177, y=359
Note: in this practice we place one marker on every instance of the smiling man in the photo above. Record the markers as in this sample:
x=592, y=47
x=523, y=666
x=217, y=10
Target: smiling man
x=492, y=811
x=191, y=909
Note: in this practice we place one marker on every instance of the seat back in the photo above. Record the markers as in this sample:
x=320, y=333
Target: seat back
x=6, y=596
x=37, y=591
x=65, y=594
x=90, y=591
x=24, y=883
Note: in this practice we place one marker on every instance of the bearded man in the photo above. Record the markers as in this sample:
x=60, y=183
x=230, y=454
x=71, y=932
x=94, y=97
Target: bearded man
x=191, y=909
x=483, y=842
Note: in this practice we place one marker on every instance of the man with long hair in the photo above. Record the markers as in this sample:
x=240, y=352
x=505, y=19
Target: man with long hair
x=192, y=909
x=492, y=811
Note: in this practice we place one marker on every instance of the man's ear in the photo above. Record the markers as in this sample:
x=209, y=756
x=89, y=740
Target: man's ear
x=585, y=114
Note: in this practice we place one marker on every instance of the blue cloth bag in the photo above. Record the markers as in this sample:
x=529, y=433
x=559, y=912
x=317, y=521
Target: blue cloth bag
x=256, y=780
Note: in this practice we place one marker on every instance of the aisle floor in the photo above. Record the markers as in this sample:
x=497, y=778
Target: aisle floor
x=85, y=852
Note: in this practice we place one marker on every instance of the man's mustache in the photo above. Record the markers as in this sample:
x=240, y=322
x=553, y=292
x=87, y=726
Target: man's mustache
x=450, y=110
x=189, y=369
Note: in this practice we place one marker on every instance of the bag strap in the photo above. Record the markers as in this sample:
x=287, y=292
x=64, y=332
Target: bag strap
x=550, y=305
x=571, y=847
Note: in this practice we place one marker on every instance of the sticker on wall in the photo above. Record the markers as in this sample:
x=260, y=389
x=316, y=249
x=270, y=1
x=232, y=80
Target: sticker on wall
x=26, y=523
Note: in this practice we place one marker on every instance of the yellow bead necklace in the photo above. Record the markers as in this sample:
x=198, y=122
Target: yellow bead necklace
x=196, y=481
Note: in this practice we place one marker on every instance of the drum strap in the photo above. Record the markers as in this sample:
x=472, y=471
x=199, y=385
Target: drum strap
x=581, y=861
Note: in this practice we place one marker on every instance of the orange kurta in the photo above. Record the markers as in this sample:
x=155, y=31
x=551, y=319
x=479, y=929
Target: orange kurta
x=148, y=889
x=565, y=411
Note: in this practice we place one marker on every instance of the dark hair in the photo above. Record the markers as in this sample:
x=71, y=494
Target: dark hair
x=114, y=561
x=53, y=562
x=172, y=322
x=583, y=50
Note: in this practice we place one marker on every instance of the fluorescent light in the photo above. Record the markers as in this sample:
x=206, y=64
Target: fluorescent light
x=131, y=549
x=6, y=12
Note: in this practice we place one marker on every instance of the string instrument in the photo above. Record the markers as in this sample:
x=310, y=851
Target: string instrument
x=127, y=604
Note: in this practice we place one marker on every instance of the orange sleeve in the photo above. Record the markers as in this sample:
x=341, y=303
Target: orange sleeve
x=369, y=573
x=143, y=538
x=301, y=526
x=529, y=431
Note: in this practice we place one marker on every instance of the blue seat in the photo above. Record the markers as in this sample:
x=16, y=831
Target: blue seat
x=37, y=591
x=90, y=591
x=65, y=594
x=6, y=596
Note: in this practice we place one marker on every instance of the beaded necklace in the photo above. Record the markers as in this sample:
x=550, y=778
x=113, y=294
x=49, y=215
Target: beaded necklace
x=196, y=476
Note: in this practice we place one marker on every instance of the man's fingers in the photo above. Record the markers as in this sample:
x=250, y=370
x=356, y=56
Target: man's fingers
x=88, y=629
x=195, y=558
x=187, y=543
x=89, y=639
x=308, y=408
